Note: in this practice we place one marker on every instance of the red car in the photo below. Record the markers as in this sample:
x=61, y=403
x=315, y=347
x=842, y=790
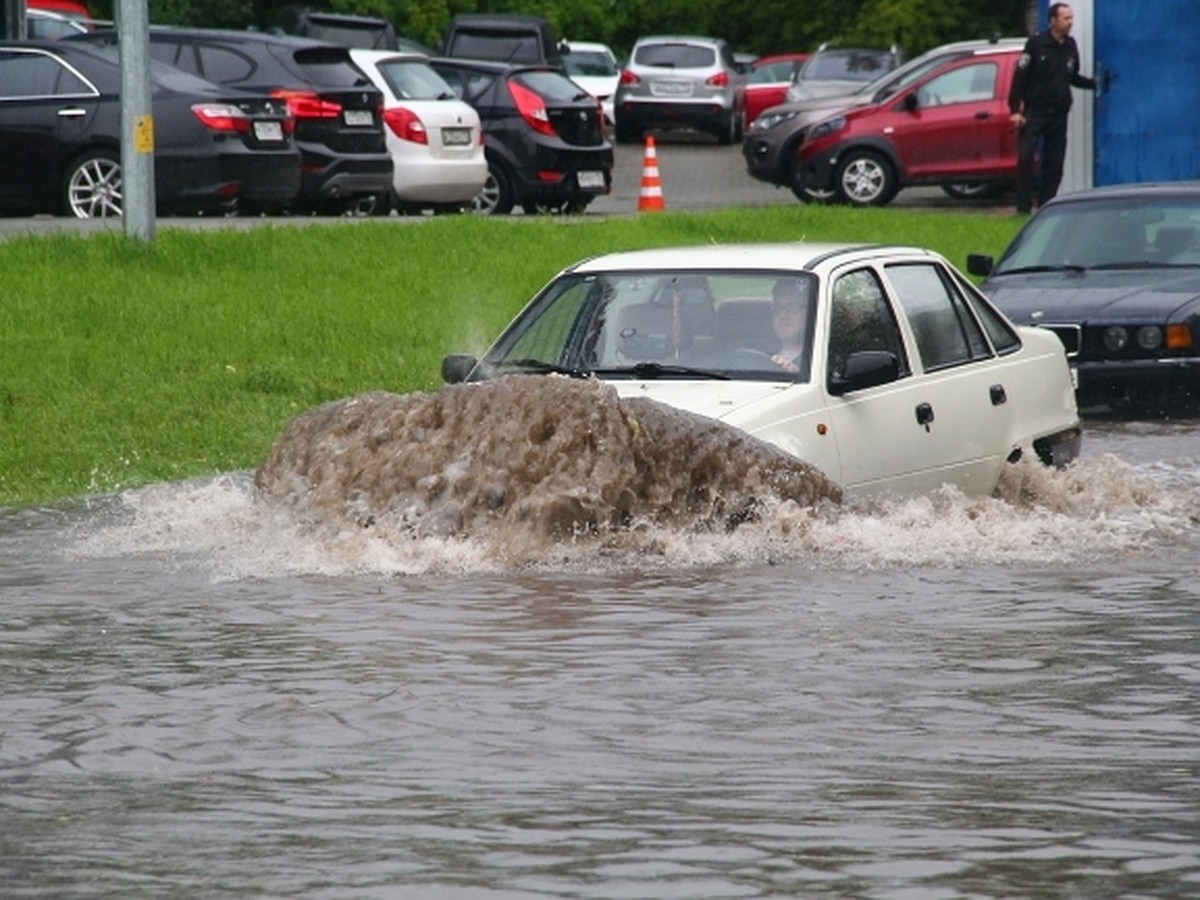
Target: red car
x=950, y=128
x=768, y=81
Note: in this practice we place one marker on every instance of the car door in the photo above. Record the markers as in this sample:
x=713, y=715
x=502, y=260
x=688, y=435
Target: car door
x=955, y=124
x=46, y=109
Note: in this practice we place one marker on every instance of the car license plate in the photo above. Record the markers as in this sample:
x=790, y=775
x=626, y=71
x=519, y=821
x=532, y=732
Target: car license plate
x=268, y=131
x=670, y=88
x=590, y=181
x=456, y=137
x=359, y=117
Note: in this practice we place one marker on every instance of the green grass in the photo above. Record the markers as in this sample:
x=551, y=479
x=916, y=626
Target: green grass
x=124, y=363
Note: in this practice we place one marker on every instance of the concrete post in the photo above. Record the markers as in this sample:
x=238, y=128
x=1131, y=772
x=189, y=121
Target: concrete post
x=137, y=119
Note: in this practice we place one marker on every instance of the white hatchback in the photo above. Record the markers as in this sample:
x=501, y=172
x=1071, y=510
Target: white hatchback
x=884, y=367
x=435, y=139
x=594, y=68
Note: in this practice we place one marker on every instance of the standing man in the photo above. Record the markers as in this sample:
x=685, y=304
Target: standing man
x=1039, y=101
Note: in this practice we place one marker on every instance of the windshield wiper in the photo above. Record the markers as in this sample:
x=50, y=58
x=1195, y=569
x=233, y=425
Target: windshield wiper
x=1141, y=264
x=659, y=370
x=1025, y=270
x=544, y=368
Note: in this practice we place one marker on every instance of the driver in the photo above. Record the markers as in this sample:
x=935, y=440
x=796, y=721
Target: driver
x=789, y=318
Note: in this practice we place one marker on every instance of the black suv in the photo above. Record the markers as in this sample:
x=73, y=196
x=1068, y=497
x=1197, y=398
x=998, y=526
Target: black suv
x=544, y=136
x=367, y=32
x=338, y=112
x=516, y=39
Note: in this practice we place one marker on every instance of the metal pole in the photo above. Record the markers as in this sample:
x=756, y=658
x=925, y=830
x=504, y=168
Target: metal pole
x=12, y=19
x=137, y=119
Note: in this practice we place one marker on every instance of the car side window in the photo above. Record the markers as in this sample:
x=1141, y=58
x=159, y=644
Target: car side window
x=224, y=65
x=967, y=84
x=38, y=75
x=860, y=318
x=946, y=332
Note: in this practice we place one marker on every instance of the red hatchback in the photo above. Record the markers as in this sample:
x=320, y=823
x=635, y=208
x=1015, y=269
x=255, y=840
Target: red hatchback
x=950, y=128
x=767, y=83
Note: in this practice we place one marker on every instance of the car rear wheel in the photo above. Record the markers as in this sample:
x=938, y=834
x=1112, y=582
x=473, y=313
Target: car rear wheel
x=92, y=186
x=728, y=132
x=865, y=178
x=496, y=197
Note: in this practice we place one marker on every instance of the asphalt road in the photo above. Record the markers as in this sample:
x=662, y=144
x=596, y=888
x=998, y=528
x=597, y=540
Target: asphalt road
x=697, y=174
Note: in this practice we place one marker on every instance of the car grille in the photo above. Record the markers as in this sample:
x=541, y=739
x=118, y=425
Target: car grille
x=578, y=126
x=1070, y=335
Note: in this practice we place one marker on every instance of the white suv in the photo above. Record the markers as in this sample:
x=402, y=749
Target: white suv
x=689, y=82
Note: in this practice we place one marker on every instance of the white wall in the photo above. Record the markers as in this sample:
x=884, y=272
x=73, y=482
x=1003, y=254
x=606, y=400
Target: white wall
x=1080, y=163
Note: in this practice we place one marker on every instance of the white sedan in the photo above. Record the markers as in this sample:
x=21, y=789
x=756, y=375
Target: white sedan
x=882, y=366
x=434, y=138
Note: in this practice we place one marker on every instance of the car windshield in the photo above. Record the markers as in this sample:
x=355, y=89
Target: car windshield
x=412, y=79
x=589, y=62
x=1112, y=233
x=847, y=65
x=753, y=325
x=675, y=56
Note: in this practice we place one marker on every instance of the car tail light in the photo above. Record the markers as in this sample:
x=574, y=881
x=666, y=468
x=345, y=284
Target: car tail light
x=406, y=125
x=549, y=175
x=720, y=80
x=222, y=117
x=308, y=105
x=532, y=108
x=629, y=78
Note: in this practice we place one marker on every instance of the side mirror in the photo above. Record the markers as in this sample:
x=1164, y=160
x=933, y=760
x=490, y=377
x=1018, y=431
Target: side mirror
x=457, y=366
x=909, y=103
x=864, y=369
x=980, y=264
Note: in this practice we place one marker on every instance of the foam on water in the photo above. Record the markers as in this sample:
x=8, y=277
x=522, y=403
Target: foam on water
x=554, y=473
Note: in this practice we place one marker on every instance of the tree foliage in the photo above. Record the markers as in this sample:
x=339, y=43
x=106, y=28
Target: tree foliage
x=751, y=26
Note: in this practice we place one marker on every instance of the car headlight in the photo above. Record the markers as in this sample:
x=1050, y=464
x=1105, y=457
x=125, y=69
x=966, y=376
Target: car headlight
x=770, y=120
x=1149, y=337
x=829, y=126
x=1116, y=338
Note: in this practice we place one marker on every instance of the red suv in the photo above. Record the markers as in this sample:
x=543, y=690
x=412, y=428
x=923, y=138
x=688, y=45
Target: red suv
x=948, y=128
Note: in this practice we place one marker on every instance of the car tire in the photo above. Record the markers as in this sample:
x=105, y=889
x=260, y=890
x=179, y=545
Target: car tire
x=626, y=133
x=865, y=178
x=496, y=196
x=727, y=132
x=91, y=187
x=806, y=194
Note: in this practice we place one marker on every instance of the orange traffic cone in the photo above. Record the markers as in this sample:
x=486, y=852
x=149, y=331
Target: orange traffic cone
x=651, y=197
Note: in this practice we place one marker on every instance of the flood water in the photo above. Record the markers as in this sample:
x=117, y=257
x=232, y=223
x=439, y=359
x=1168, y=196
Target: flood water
x=934, y=698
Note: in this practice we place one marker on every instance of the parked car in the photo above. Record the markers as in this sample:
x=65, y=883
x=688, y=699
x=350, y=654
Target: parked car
x=773, y=139
x=436, y=139
x=594, y=68
x=502, y=37
x=949, y=127
x=673, y=82
x=366, y=32
x=72, y=9
x=1115, y=273
x=60, y=137
x=47, y=25
x=907, y=377
x=543, y=136
x=767, y=81
x=338, y=112
x=837, y=71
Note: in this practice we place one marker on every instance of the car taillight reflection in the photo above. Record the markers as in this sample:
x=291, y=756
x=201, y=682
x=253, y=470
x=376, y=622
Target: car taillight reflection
x=308, y=105
x=532, y=108
x=406, y=125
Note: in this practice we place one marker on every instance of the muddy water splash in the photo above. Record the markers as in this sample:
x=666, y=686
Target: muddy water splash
x=529, y=459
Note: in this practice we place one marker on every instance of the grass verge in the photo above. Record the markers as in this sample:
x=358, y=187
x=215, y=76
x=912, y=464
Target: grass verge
x=123, y=364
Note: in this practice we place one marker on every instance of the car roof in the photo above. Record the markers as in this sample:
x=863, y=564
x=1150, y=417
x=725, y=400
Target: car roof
x=1137, y=190
x=494, y=66
x=589, y=45
x=783, y=256
x=375, y=56
x=679, y=39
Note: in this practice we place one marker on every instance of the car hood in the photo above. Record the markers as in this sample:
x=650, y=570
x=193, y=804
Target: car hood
x=744, y=404
x=1092, y=296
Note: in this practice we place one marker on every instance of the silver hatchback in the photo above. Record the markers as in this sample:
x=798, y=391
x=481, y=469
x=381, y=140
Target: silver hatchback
x=680, y=82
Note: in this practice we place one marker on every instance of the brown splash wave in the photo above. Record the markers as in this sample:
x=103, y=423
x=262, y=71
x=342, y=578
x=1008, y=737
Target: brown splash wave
x=525, y=459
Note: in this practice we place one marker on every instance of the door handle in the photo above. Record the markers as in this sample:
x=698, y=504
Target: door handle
x=71, y=112
x=924, y=414
x=983, y=114
x=998, y=394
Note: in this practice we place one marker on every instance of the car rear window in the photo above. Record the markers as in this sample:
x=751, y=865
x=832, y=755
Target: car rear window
x=328, y=67
x=413, y=80
x=505, y=46
x=551, y=85
x=675, y=56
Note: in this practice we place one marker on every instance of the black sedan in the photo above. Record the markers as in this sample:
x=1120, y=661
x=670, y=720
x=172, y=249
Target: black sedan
x=60, y=137
x=1115, y=272
x=543, y=136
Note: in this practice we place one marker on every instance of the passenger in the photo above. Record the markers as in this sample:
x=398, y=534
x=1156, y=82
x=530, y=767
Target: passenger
x=789, y=317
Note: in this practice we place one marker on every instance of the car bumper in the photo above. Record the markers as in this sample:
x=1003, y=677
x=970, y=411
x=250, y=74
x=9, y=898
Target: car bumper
x=559, y=175
x=816, y=172
x=328, y=176
x=199, y=182
x=705, y=114
x=1098, y=377
x=764, y=160
x=422, y=178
